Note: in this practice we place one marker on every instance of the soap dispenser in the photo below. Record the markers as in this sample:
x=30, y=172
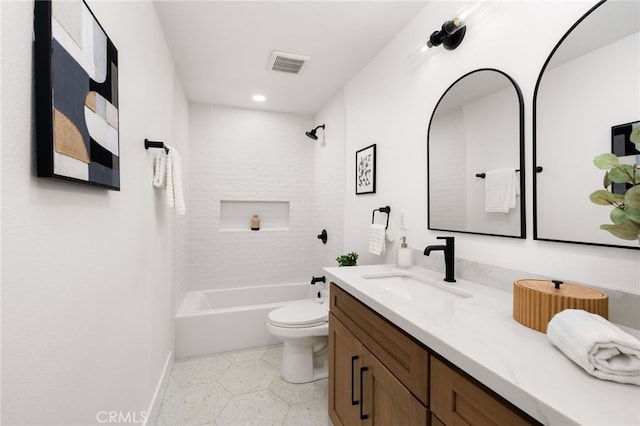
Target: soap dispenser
x=404, y=254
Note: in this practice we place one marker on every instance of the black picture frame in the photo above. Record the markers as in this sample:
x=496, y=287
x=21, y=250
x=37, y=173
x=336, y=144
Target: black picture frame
x=366, y=170
x=621, y=146
x=76, y=88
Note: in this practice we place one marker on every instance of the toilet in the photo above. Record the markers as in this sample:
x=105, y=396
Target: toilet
x=304, y=329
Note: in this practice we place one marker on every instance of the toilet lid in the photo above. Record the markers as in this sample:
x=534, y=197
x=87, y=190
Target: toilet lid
x=299, y=314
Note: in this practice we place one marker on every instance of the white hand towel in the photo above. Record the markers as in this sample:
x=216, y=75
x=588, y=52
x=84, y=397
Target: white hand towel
x=174, y=192
x=500, y=190
x=376, y=239
x=599, y=347
x=160, y=170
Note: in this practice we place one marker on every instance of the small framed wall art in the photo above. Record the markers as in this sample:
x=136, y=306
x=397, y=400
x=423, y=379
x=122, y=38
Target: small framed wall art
x=76, y=77
x=366, y=170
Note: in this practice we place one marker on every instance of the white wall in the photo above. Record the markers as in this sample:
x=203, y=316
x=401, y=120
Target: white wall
x=87, y=272
x=257, y=157
x=389, y=103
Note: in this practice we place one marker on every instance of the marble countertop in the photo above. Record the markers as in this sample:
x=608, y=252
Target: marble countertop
x=480, y=336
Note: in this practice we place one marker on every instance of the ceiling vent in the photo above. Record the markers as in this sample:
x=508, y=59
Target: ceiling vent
x=286, y=62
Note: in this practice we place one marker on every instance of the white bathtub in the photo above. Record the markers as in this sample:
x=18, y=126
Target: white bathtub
x=229, y=319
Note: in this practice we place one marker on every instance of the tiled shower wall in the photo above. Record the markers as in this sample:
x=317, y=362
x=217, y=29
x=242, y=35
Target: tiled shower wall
x=250, y=156
x=330, y=181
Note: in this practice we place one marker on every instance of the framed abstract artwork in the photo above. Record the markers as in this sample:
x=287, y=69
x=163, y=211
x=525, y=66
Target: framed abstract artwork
x=366, y=170
x=76, y=77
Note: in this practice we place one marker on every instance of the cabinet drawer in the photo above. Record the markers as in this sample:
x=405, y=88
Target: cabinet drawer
x=403, y=356
x=459, y=400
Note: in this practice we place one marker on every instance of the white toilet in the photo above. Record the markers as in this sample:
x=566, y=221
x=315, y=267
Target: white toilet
x=304, y=329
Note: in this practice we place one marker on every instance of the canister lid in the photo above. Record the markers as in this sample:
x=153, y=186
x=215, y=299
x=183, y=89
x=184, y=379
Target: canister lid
x=565, y=289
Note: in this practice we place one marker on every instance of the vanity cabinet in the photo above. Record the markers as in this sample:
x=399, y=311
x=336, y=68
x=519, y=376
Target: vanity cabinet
x=375, y=370
x=378, y=374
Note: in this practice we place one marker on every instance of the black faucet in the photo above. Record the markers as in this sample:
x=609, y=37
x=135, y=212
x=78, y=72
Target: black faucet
x=318, y=280
x=449, y=256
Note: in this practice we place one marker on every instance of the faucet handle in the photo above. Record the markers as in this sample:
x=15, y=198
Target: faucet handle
x=449, y=240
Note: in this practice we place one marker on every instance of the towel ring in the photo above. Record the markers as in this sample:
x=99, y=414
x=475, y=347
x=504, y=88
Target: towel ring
x=386, y=210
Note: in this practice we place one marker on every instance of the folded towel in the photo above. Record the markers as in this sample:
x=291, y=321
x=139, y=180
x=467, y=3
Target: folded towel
x=174, y=192
x=160, y=170
x=599, y=347
x=500, y=190
x=376, y=239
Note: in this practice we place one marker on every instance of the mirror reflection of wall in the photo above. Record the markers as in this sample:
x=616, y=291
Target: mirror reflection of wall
x=476, y=127
x=590, y=83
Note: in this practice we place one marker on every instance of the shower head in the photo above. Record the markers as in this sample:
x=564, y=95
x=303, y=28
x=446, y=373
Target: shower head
x=312, y=133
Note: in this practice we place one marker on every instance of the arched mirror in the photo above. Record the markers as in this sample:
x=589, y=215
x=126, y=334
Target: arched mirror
x=475, y=157
x=586, y=99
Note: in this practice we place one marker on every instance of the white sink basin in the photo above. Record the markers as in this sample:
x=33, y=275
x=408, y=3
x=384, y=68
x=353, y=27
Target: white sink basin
x=414, y=287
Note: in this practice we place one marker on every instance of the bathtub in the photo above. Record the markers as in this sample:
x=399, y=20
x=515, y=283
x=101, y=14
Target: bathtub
x=214, y=321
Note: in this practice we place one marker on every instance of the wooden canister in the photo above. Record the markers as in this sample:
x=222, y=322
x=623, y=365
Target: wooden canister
x=535, y=302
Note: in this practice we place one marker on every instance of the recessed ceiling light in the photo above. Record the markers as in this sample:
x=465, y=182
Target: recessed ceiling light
x=259, y=98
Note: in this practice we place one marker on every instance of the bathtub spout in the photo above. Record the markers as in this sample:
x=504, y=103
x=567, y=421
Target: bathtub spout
x=321, y=279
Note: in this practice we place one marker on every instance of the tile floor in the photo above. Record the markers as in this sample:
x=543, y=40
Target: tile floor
x=240, y=388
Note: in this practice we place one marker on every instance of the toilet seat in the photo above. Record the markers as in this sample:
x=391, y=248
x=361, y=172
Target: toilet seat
x=299, y=315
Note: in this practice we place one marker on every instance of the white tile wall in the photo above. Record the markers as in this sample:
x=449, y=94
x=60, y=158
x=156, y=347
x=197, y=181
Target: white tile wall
x=330, y=180
x=244, y=155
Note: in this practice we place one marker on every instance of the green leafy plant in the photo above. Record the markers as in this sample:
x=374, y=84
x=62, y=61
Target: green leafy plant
x=626, y=207
x=349, y=259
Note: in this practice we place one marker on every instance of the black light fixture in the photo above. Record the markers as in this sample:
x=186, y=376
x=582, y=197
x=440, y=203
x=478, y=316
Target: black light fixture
x=312, y=133
x=450, y=35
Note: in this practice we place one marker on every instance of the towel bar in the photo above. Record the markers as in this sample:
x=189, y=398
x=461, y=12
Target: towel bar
x=154, y=144
x=484, y=175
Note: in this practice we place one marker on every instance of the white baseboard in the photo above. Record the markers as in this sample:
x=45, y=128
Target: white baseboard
x=156, y=402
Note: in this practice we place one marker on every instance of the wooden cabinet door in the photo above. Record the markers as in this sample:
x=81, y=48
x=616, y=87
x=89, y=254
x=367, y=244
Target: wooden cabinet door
x=386, y=401
x=458, y=401
x=345, y=361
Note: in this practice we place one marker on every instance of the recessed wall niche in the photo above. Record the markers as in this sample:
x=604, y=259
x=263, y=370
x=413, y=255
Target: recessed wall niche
x=235, y=215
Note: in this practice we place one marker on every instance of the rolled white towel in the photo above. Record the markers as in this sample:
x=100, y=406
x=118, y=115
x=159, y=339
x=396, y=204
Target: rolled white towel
x=595, y=344
x=376, y=239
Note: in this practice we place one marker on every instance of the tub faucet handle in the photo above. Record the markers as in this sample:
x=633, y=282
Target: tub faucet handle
x=321, y=279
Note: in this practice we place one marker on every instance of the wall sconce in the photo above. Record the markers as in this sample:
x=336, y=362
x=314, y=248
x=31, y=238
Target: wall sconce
x=453, y=31
x=312, y=133
x=450, y=35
